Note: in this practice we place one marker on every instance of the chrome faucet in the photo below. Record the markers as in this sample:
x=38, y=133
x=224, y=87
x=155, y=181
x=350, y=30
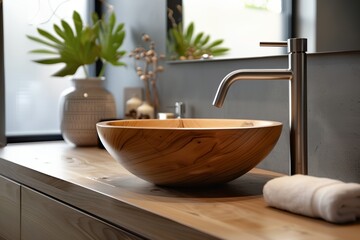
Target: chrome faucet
x=179, y=109
x=296, y=73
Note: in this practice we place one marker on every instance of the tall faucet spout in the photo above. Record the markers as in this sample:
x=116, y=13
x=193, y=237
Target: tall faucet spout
x=297, y=74
x=248, y=74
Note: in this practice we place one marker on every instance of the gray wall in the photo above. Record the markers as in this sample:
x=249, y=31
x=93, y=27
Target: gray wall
x=333, y=106
x=329, y=25
x=334, y=115
x=337, y=25
x=139, y=16
x=333, y=94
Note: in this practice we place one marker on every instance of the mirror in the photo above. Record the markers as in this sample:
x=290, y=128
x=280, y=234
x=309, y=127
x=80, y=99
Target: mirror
x=242, y=24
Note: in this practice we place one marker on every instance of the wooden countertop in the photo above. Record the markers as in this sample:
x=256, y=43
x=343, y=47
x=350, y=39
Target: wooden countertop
x=89, y=179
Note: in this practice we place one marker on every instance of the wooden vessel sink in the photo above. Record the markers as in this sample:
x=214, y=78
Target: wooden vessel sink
x=189, y=152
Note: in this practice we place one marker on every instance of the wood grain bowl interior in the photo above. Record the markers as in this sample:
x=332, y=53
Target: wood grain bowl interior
x=189, y=152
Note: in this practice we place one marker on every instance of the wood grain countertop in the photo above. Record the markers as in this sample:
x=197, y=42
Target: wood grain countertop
x=90, y=180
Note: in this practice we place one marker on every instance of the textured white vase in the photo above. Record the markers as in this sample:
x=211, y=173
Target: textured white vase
x=81, y=107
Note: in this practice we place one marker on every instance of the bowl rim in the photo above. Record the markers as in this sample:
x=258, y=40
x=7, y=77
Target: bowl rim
x=262, y=124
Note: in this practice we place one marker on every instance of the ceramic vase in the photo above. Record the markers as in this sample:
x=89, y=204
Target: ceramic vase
x=81, y=107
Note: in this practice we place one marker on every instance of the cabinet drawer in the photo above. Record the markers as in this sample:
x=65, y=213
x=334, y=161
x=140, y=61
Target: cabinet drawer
x=9, y=209
x=46, y=218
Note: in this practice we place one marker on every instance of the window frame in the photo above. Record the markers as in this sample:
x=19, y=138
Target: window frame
x=2, y=82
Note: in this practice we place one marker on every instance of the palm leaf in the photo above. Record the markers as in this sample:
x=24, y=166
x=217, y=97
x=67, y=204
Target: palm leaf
x=36, y=39
x=189, y=32
x=59, y=31
x=48, y=35
x=67, y=70
x=215, y=43
x=67, y=30
x=111, y=40
x=198, y=38
x=205, y=40
x=43, y=51
x=83, y=45
x=78, y=23
x=49, y=61
x=219, y=51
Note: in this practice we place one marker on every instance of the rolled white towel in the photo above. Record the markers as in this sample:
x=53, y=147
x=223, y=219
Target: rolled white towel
x=330, y=199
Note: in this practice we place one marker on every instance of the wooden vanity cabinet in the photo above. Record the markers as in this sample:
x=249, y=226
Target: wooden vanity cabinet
x=43, y=217
x=9, y=209
x=27, y=214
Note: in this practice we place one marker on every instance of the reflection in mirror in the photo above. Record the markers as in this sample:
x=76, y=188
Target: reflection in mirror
x=242, y=24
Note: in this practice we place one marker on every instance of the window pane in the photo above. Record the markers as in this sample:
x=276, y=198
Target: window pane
x=31, y=94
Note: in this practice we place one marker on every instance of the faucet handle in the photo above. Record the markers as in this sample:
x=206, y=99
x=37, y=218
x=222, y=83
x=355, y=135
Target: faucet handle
x=293, y=44
x=274, y=44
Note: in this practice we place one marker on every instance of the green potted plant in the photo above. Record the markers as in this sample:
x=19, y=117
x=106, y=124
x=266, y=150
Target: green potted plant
x=185, y=44
x=87, y=102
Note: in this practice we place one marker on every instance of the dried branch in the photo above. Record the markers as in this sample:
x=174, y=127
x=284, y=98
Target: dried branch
x=147, y=67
